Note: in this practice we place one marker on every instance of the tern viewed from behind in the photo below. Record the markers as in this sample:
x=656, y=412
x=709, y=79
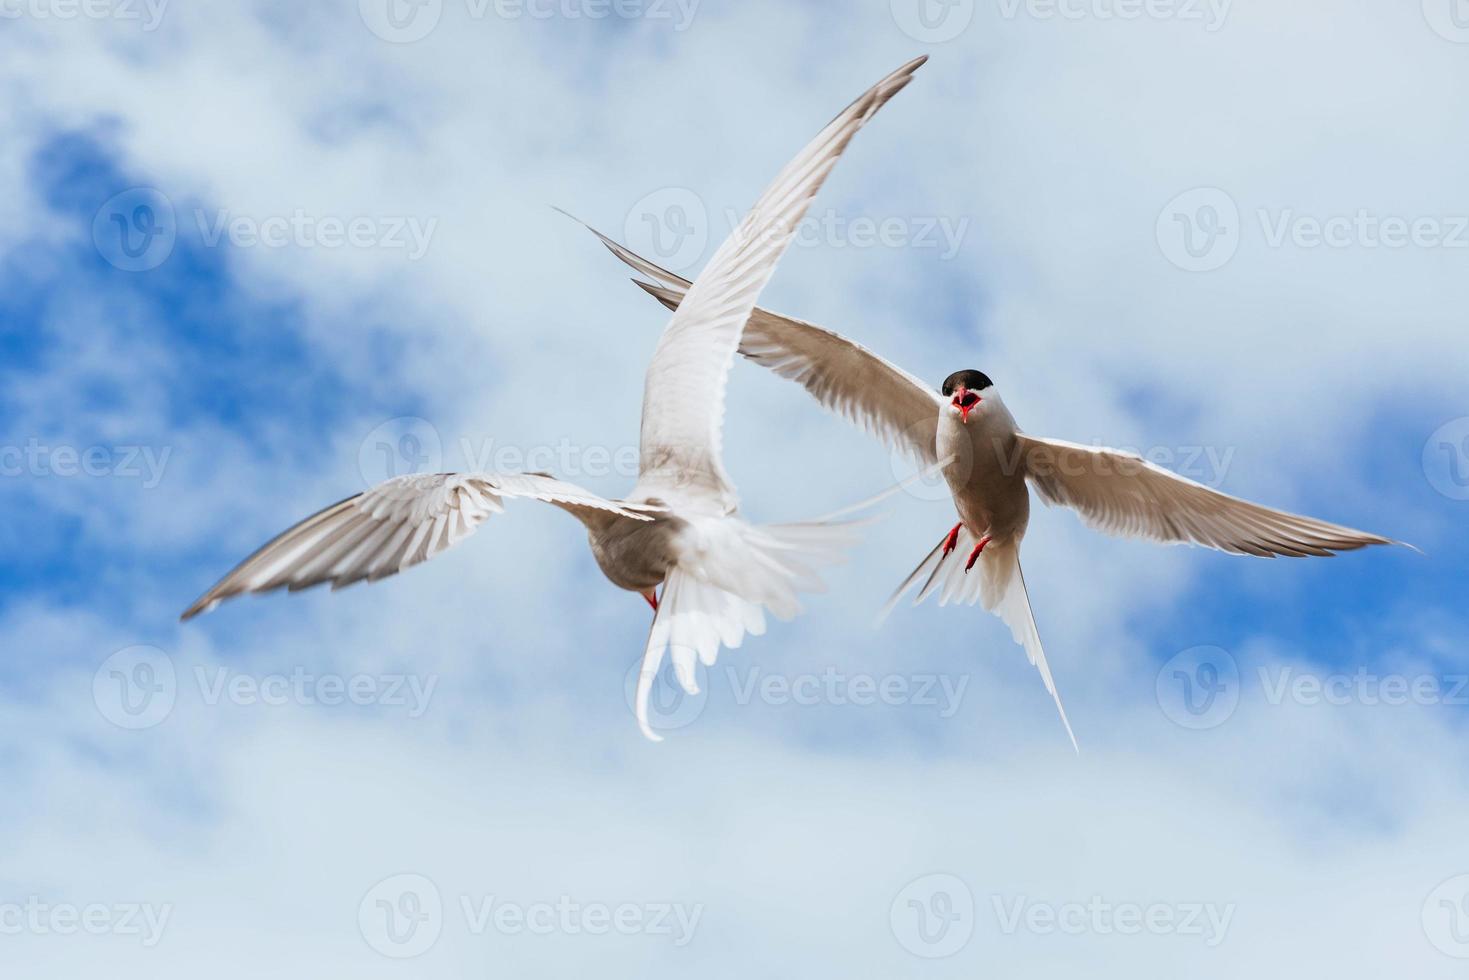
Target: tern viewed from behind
x=990, y=464
x=679, y=527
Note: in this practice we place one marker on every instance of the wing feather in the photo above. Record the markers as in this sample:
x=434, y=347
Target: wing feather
x=1122, y=493
x=393, y=526
x=683, y=397
x=842, y=375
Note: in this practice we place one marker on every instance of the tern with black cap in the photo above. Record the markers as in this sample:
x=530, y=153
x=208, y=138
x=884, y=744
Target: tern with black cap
x=679, y=528
x=992, y=467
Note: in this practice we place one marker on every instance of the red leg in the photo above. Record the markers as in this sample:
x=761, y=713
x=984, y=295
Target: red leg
x=952, y=540
x=652, y=597
x=978, y=549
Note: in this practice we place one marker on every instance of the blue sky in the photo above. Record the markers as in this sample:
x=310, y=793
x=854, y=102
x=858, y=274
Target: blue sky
x=484, y=799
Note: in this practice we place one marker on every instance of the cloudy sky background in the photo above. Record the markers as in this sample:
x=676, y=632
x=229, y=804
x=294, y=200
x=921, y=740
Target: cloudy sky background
x=1129, y=204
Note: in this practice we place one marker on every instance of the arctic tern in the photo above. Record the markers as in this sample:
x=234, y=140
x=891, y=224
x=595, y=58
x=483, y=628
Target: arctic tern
x=990, y=462
x=679, y=527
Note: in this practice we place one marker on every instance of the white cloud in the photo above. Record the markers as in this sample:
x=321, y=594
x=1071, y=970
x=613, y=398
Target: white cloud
x=795, y=828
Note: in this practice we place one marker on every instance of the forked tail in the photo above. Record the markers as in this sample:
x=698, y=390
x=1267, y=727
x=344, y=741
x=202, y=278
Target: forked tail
x=730, y=572
x=996, y=582
x=730, y=575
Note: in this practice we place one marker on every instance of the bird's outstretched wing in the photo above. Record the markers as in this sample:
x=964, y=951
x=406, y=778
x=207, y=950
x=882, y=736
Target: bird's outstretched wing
x=842, y=375
x=396, y=524
x=683, y=396
x=1122, y=493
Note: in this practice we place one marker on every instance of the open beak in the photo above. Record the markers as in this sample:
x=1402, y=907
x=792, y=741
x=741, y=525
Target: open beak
x=964, y=401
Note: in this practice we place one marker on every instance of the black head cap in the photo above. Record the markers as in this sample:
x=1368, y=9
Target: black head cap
x=972, y=380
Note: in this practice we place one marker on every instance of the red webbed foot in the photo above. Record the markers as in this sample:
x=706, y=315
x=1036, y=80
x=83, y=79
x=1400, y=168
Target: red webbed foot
x=978, y=549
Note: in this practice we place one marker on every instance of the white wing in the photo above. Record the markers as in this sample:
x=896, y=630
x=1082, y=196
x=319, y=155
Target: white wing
x=841, y=374
x=396, y=524
x=1121, y=493
x=683, y=397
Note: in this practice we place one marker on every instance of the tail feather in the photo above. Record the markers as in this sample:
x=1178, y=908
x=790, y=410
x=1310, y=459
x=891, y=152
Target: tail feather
x=731, y=574
x=934, y=560
x=997, y=583
x=1013, y=608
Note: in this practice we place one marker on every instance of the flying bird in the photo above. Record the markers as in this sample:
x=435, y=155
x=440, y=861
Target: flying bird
x=680, y=527
x=992, y=467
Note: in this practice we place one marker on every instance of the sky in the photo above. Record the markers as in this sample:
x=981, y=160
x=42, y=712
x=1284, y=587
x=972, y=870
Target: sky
x=259, y=256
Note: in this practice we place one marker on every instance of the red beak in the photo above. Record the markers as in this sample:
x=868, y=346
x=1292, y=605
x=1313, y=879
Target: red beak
x=965, y=400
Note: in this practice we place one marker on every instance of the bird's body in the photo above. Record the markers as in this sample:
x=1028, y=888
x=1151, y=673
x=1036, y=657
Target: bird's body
x=995, y=466
x=987, y=486
x=636, y=555
x=680, y=526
